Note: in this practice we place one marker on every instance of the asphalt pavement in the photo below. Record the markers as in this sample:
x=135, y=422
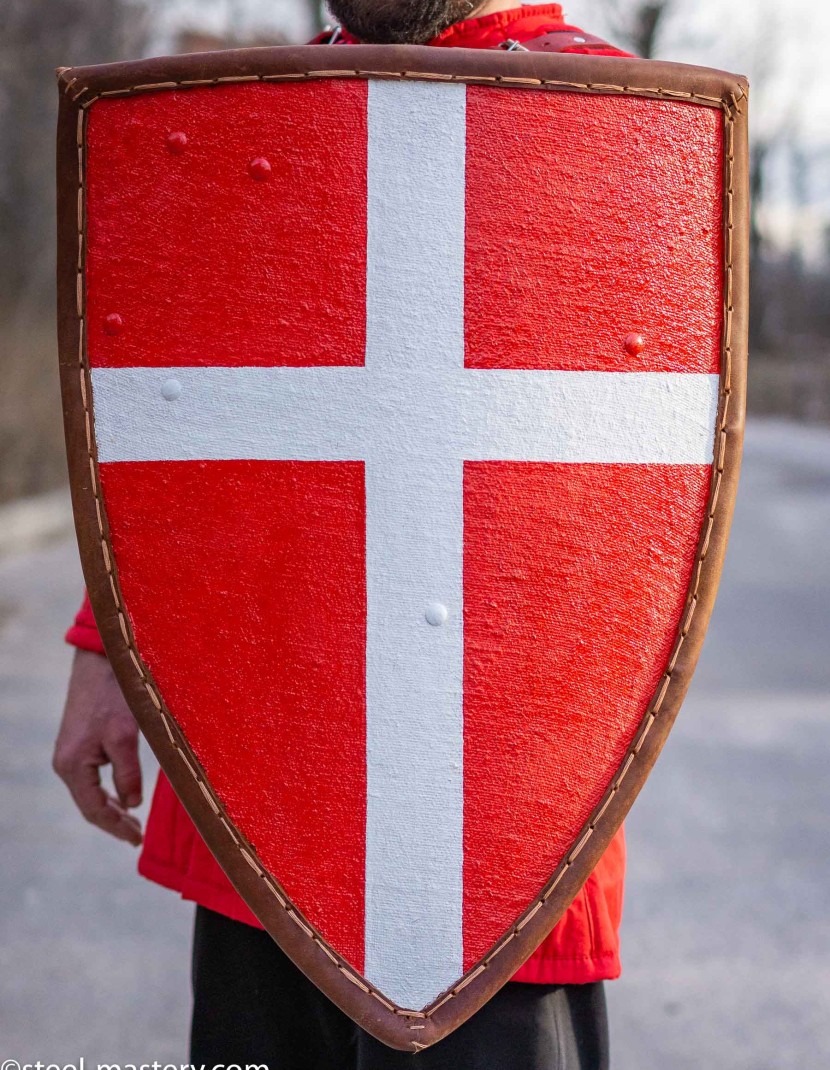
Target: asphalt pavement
x=726, y=936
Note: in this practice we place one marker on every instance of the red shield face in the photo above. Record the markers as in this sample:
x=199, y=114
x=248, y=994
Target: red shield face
x=411, y=471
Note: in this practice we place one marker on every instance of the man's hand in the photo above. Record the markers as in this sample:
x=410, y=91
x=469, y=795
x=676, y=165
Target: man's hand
x=98, y=729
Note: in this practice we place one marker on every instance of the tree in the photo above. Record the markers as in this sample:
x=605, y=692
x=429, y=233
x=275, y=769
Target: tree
x=316, y=13
x=36, y=36
x=636, y=23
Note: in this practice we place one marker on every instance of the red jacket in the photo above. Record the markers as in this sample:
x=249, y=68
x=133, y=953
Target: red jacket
x=584, y=946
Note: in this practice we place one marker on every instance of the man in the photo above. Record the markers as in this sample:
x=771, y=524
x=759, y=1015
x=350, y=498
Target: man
x=250, y=1003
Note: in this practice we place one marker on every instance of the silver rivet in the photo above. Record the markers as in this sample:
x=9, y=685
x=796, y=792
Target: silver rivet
x=171, y=389
x=580, y=40
x=436, y=614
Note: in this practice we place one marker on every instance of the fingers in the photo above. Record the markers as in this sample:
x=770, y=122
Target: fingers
x=122, y=751
x=97, y=728
x=99, y=808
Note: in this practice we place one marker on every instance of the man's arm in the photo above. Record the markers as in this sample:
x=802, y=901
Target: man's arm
x=98, y=729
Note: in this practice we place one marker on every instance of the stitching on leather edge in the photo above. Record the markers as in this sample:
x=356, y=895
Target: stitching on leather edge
x=730, y=109
x=506, y=80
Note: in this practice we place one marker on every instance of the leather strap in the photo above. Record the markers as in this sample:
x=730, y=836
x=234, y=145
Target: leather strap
x=562, y=40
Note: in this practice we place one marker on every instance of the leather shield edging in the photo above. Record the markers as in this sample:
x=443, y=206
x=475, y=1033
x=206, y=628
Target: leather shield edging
x=403, y=1029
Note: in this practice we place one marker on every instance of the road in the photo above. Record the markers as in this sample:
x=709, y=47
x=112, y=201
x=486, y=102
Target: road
x=726, y=937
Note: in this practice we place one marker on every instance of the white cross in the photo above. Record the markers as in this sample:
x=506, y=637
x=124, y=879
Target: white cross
x=413, y=414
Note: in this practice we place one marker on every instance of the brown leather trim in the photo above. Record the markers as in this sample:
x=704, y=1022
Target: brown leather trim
x=80, y=88
x=579, y=73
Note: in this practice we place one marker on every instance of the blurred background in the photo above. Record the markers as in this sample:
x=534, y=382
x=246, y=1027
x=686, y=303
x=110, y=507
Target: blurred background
x=726, y=940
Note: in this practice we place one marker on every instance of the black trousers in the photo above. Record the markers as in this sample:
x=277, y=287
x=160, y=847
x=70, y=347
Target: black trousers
x=252, y=1005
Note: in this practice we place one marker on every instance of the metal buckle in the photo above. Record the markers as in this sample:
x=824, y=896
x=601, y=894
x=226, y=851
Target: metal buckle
x=334, y=35
x=513, y=46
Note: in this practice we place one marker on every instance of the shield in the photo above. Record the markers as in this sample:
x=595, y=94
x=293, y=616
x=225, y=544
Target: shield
x=404, y=395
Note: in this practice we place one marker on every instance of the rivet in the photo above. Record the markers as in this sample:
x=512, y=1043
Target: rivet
x=171, y=389
x=177, y=142
x=580, y=40
x=436, y=614
x=260, y=169
x=113, y=323
x=634, y=344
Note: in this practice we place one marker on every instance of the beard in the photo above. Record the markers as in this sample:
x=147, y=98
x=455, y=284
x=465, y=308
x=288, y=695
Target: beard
x=401, y=22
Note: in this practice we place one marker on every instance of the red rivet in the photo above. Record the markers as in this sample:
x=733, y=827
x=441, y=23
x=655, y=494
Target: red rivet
x=259, y=169
x=113, y=323
x=634, y=344
x=177, y=142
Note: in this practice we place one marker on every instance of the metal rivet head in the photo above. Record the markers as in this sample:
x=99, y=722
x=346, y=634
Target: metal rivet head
x=634, y=344
x=176, y=142
x=580, y=40
x=436, y=614
x=113, y=323
x=259, y=169
x=171, y=389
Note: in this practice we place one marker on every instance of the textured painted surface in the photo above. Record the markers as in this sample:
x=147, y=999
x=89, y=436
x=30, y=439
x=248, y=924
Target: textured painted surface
x=352, y=413
x=574, y=578
x=573, y=198
x=414, y=539
x=506, y=421
x=206, y=265
x=271, y=691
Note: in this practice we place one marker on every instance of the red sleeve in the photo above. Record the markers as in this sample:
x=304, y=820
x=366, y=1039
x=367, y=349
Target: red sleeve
x=84, y=632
